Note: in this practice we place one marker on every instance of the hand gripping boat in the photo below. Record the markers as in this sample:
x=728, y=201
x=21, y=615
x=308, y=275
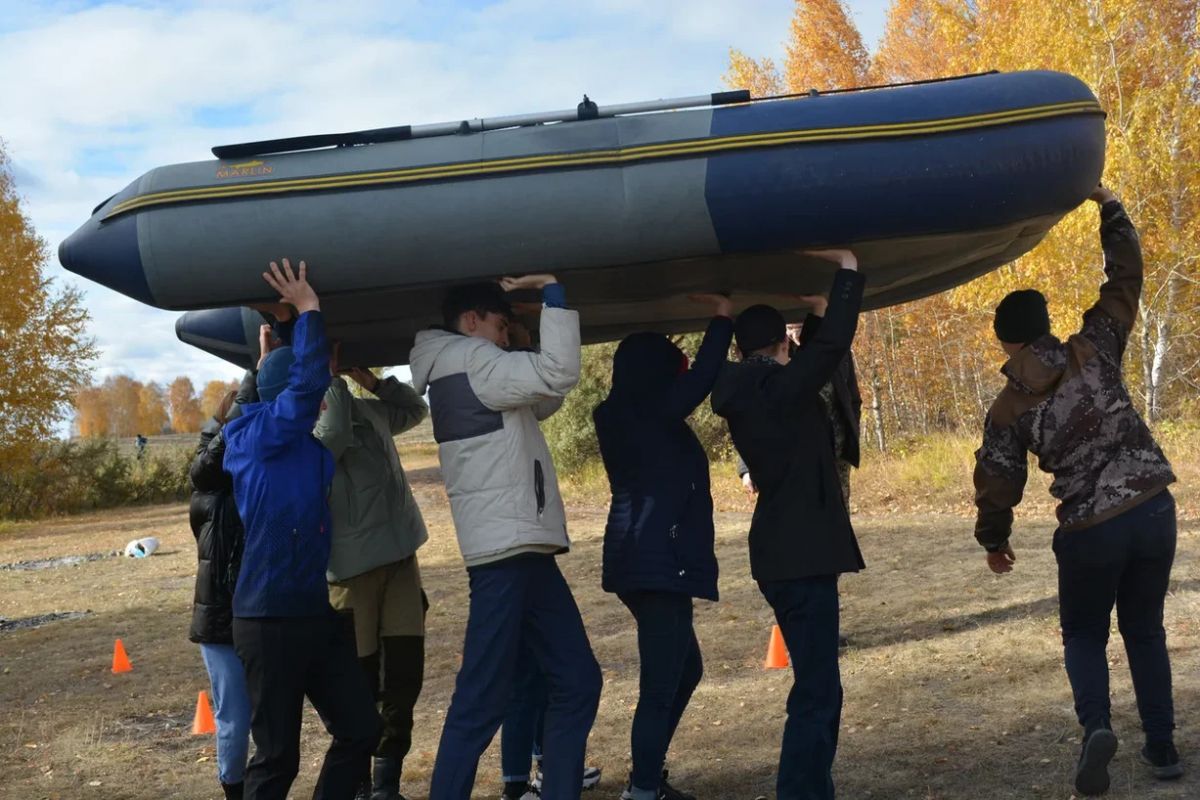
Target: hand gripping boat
x=932, y=184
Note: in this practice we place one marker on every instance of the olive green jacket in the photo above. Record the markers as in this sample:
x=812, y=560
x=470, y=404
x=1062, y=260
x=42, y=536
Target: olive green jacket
x=376, y=521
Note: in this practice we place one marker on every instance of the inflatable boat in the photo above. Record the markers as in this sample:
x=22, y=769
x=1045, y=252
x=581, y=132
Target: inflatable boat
x=932, y=184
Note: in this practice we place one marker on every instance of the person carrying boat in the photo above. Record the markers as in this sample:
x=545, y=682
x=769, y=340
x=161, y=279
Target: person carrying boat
x=841, y=398
x=801, y=538
x=219, y=537
x=509, y=518
x=374, y=577
x=1066, y=402
x=290, y=640
x=658, y=541
x=523, y=732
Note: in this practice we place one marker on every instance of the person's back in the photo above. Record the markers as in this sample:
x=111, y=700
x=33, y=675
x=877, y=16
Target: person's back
x=1066, y=402
x=281, y=476
x=658, y=541
x=659, y=534
x=801, y=539
x=1115, y=544
x=285, y=632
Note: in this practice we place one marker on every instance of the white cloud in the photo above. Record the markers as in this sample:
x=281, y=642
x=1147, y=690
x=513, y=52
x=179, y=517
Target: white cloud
x=98, y=94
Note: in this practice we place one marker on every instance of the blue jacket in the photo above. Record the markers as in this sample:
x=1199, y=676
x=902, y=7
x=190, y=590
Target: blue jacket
x=281, y=477
x=659, y=535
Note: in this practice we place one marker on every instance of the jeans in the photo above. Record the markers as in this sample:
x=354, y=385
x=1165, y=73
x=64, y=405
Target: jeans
x=525, y=721
x=671, y=668
x=232, y=710
x=286, y=660
x=807, y=612
x=1124, y=561
x=520, y=601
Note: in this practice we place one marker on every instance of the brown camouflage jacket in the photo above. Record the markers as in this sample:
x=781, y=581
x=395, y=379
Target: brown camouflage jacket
x=1066, y=403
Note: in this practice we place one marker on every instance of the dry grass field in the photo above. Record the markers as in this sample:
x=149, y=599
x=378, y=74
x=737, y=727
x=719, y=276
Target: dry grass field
x=954, y=684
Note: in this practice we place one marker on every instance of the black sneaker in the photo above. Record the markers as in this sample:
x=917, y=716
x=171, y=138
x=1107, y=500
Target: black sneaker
x=665, y=790
x=668, y=792
x=1163, y=759
x=1091, y=776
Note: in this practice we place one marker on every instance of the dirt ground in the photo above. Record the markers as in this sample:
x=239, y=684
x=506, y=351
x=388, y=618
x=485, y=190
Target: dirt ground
x=954, y=684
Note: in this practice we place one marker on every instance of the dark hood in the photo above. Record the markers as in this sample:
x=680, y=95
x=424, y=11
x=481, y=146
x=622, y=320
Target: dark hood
x=645, y=366
x=1038, y=368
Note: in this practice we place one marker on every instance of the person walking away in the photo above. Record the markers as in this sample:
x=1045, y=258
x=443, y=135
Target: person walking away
x=1066, y=402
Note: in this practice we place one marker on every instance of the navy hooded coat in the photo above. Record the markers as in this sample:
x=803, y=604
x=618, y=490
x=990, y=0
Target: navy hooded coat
x=659, y=535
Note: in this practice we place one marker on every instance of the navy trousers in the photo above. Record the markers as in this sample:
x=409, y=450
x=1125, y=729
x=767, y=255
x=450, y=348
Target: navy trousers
x=523, y=734
x=520, y=601
x=671, y=667
x=807, y=612
x=1124, y=561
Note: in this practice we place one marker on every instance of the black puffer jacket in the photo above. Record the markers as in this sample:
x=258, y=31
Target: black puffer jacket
x=219, y=537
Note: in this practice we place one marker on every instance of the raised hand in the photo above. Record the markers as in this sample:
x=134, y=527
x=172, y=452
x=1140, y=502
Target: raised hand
x=364, y=378
x=722, y=306
x=1102, y=194
x=843, y=258
x=266, y=344
x=511, y=284
x=292, y=288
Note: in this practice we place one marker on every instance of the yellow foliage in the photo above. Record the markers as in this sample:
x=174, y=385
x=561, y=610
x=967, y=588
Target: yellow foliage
x=186, y=416
x=44, y=348
x=760, y=77
x=933, y=364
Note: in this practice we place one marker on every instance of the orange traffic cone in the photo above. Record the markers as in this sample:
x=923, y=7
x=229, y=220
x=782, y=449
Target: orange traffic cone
x=120, y=660
x=777, y=654
x=203, y=722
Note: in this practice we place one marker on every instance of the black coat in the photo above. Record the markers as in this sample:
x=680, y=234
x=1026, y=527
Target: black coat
x=846, y=399
x=779, y=426
x=659, y=535
x=219, y=538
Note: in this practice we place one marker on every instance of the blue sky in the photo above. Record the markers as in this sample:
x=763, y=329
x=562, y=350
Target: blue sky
x=99, y=92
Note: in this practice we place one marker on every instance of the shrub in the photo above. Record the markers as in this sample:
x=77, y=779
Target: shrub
x=87, y=474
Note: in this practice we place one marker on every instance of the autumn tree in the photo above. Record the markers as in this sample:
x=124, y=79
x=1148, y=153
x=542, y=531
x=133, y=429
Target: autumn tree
x=45, y=352
x=933, y=364
x=186, y=416
x=214, y=392
x=91, y=412
x=824, y=51
x=152, y=409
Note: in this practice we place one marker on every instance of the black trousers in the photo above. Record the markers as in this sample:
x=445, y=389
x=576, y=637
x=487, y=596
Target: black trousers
x=1125, y=561
x=286, y=660
x=807, y=612
x=397, y=686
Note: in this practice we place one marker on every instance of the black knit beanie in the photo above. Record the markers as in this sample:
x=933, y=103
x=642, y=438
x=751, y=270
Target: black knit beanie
x=758, y=327
x=1022, y=317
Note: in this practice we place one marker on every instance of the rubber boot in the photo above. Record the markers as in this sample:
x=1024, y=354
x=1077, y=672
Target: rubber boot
x=385, y=779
